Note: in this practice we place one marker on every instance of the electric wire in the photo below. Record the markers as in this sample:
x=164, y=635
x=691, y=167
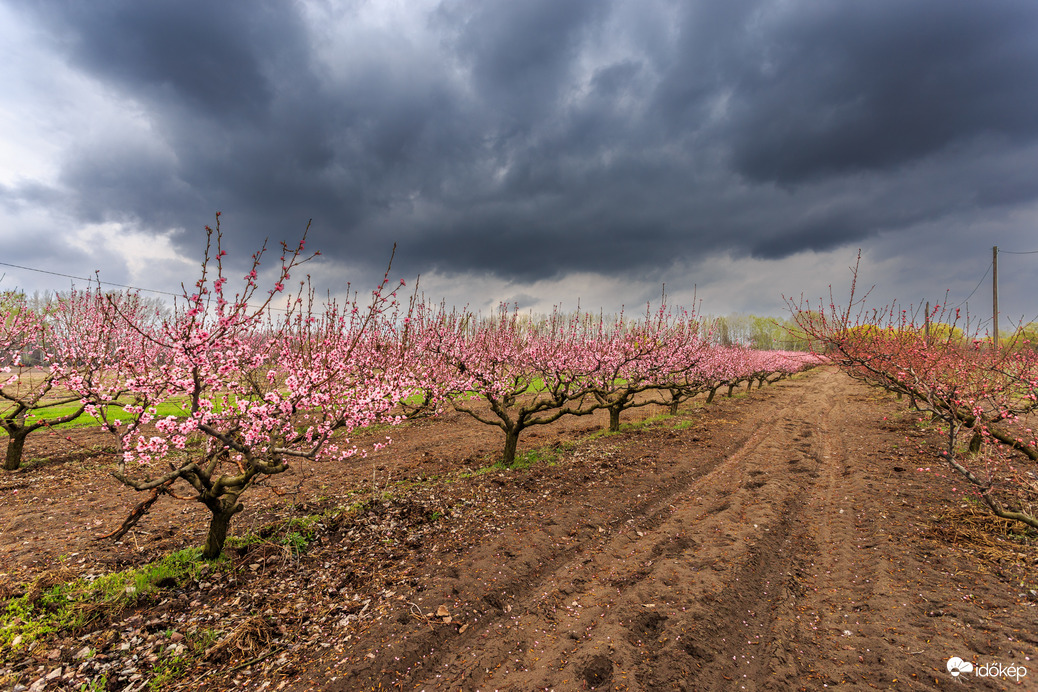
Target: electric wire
x=109, y=283
x=84, y=278
x=976, y=288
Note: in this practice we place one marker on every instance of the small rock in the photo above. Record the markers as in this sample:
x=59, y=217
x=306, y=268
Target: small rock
x=83, y=653
x=56, y=673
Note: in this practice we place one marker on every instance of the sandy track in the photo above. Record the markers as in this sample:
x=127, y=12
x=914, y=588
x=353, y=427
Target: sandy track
x=692, y=588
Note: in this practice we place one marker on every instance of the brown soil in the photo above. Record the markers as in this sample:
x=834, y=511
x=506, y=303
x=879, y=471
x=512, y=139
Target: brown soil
x=776, y=541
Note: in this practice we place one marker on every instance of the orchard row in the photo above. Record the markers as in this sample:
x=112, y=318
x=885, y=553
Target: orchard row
x=983, y=398
x=231, y=388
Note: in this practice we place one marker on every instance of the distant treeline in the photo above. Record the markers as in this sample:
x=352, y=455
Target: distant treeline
x=753, y=331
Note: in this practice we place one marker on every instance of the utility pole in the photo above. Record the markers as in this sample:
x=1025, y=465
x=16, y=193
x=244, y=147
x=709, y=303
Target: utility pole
x=994, y=295
x=927, y=318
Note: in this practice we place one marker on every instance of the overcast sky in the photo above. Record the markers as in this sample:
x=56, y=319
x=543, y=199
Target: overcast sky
x=530, y=151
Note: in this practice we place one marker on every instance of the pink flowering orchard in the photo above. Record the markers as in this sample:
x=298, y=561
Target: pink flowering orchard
x=513, y=372
x=264, y=380
x=640, y=363
x=525, y=373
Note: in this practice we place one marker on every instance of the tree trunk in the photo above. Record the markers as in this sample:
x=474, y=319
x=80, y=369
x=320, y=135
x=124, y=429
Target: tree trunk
x=614, y=418
x=218, y=527
x=710, y=396
x=674, y=399
x=511, y=443
x=975, y=442
x=15, y=445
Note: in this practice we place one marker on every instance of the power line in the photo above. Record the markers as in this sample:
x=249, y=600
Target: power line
x=107, y=283
x=84, y=278
x=976, y=288
x=1008, y=252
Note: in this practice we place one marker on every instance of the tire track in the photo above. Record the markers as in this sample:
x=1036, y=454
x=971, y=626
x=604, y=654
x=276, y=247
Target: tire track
x=686, y=595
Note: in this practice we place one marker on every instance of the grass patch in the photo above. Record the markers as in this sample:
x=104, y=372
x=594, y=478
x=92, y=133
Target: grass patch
x=86, y=420
x=631, y=426
x=606, y=432
x=60, y=602
x=294, y=534
x=523, y=461
x=176, y=663
x=532, y=457
x=483, y=470
x=648, y=421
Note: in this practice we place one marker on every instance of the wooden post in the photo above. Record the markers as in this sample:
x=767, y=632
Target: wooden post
x=927, y=318
x=994, y=296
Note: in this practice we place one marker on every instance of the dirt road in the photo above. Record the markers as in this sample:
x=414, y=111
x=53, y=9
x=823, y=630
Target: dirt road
x=790, y=553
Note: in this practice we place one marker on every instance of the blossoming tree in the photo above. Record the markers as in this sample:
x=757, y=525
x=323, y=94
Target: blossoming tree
x=46, y=352
x=258, y=386
x=509, y=372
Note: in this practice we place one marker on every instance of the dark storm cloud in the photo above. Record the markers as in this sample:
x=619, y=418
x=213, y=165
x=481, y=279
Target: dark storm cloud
x=208, y=57
x=531, y=139
x=851, y=86
x=522, y=54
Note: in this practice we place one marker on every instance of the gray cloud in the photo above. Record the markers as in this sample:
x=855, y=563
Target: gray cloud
x=216, y=59
x=530, y=140
x=840, y=88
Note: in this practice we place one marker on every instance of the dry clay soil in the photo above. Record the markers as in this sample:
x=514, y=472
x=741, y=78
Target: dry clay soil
x=785, y=539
